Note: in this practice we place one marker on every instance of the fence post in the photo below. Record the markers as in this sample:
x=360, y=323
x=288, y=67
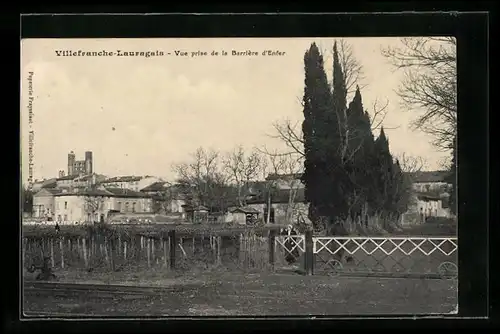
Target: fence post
x=61, y=247
x=272, y=247
x=172, y=243
x=309, y=254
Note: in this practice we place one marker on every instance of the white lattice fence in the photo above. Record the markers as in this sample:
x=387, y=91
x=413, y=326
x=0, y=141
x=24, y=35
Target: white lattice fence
x=393, y=255
x=289, y=249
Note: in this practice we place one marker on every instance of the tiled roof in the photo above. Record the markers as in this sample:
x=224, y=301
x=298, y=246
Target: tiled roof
x=120, y=192
x=67, y=177
x=49, y=183
x=123, y=179
x=108, y=192
x=52, y=191
x=428, y=177
x=427, y=197
x=245, y=209
x=156, y=186
x=272, y=177
x=93, y=192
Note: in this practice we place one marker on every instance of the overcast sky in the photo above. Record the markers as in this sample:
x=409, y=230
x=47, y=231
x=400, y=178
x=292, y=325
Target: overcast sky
x=139, y=115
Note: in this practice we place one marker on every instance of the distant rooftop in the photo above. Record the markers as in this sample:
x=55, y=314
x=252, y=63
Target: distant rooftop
x=429, y=176
x=130, y=178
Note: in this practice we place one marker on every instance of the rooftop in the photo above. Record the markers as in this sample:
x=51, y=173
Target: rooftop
x=245, y=209
x=108, y=192
x=129, y=178
x=154, y=187
x=429, y=176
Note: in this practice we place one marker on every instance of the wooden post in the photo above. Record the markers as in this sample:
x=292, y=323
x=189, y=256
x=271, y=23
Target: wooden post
x=112, y=246
x=119, y=244
x=192, y=246
x=153, y=250
x=52, y=260
x=106, y=250
x=242, y=249
x=272, y=247
x=125, y=250
x=84, y=246
x=219, y=242
x=309, y=255
x=78, y=248
x=172, y=245
x=148, y=249
x=61, y=247
x=164, y=244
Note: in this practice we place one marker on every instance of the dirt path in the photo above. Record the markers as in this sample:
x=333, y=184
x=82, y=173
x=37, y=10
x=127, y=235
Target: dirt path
x=258, y=294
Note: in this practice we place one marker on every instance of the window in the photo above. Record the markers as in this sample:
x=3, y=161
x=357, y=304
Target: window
x=65, y=205
x=126, y=206
x=119, y=206
x=58, y=218
x=65, y=218
x=133, y=207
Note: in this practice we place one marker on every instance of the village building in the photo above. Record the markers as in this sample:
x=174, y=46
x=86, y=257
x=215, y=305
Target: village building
x=97, y=205
x=167, y=198
x=44, y=203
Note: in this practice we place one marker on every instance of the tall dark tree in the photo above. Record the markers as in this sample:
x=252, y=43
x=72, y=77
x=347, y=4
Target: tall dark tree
x=319, y=131
x=383, y=174
x=400, y=190
x=359, y=155
x=339, y=91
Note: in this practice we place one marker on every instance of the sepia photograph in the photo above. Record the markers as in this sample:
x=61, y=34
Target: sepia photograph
x=227, y=177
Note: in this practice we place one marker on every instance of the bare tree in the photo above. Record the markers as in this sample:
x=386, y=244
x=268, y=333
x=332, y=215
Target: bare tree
x=93, y=205
x=411, y=163
x=163, y=199
x=203, y=180
x=351, y=67
x=242, y=168
x=284, y=170
x=429, y=87
x=290, y=133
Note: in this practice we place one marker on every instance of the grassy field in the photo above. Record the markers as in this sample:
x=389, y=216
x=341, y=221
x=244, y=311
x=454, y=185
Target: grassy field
x=228, y=294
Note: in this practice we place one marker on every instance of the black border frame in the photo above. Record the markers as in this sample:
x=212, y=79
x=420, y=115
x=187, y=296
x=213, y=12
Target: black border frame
x=471, y=30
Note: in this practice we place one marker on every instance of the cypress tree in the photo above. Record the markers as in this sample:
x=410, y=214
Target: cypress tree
x=360, y=149
x=401, y=190
x=337, y=167
x=339, y=89
x=316, y=127
x=383, y=174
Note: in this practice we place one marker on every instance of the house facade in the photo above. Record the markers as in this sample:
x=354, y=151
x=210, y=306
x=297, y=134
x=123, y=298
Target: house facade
x=166, y=198
x=44, y=203
x=431, y=194
x=97, y=205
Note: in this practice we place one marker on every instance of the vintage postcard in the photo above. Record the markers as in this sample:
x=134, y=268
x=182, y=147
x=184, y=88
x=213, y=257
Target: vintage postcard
x=238, y=176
